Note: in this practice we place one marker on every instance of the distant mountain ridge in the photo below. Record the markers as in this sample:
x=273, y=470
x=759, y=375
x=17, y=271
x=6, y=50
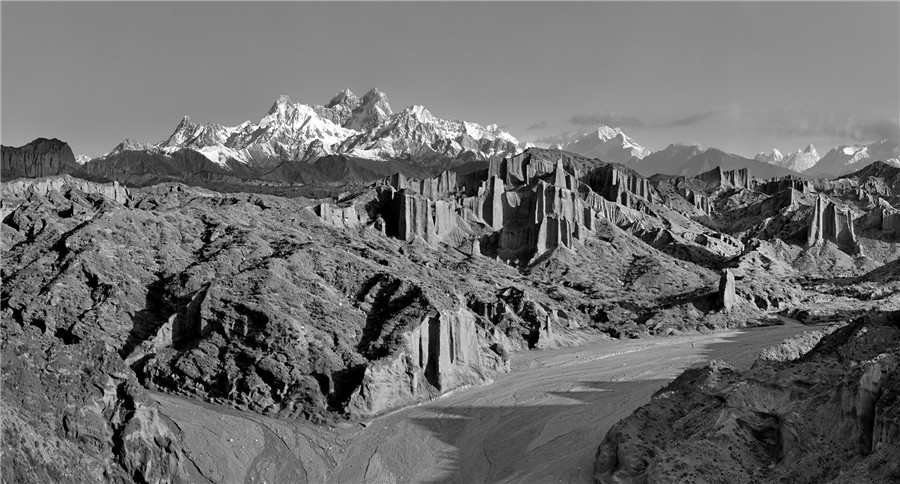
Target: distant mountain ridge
x=692, y=160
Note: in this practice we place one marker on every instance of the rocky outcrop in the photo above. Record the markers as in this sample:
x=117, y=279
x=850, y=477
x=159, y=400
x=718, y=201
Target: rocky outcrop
x=828, y=222
x=442, y=186
x=40, y=158
x=541, y=218
x=620, y=185
x=885, y=218
x=43, y=187
x=697, y=199
x=739, y=178
x=831, y=414
x=777, y=185
x=518, y=313
x=408, y=216
x=339, y=217
x=726, y=290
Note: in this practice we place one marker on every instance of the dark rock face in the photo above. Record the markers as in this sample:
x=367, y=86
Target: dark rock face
x=831, y=414
x=42, y=157
x=74, y=412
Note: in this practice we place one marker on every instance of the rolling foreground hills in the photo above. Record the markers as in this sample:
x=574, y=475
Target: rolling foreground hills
x=340, y=287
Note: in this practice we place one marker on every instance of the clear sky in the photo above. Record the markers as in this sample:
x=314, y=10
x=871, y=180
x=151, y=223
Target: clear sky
x=744, y=77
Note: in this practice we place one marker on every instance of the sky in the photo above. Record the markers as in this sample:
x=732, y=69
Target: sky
x=743, y=77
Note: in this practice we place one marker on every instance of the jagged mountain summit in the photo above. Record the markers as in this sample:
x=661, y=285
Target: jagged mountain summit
x=606, y=143
x=774, y=157
x=364, y=127
x=845, y=159
x=799, y=161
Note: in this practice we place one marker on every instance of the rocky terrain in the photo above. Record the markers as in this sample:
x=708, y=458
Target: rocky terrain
x=829, y=415
x=395, y=290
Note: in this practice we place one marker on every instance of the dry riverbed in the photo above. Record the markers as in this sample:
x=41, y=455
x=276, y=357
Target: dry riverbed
x=542, y=422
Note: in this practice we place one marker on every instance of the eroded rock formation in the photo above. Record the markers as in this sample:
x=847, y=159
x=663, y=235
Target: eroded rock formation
x=828, y=222
x=43, y=186
x=40, y=158
x=726, y=290
x=530, y=204
x=884, y=217
x=739, y=178
x=446, y=350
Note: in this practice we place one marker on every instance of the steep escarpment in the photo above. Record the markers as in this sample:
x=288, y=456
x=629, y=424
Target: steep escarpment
x=830, y=415
x=42, y=157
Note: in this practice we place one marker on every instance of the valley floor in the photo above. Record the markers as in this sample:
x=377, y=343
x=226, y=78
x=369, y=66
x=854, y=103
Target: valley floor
x=540, y=423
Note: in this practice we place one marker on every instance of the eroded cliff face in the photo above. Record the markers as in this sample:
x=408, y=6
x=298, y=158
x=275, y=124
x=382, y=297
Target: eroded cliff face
x=40, y=158
x=445, y=351
x=43, y=187
x=739, y=179
x=829, y=222
x=885, y=218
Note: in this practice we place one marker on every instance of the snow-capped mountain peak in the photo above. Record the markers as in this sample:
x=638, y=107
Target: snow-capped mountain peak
x=82, y=159
x=130, y=144
x=774, y=157
x=605, y=133
x=344, y=98
x=373, y=110
x=843, y=159
x=606, y=143
x=798, y=161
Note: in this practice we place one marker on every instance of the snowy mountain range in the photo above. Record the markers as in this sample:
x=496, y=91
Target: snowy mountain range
x=364, y=128
x=353, y=138
x=845, y=159
x=799, y=161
